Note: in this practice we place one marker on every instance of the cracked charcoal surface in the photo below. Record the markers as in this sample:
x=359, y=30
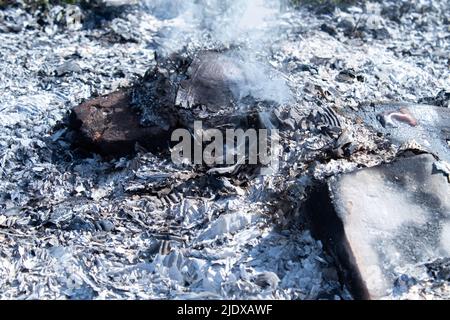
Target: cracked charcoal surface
x=215, y=87
x=89, y=228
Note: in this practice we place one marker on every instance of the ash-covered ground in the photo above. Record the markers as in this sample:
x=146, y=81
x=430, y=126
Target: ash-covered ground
x=74, y=227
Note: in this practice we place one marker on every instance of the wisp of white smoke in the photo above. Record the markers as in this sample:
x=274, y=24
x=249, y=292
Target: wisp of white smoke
x=201, y=24
x=248, y=27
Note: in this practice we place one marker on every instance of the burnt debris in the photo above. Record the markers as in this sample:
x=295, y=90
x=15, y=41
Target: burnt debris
x=109, y=126
x=144, y=227
x=217, y=88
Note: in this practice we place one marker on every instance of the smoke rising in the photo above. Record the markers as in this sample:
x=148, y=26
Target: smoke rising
x=207, y=24
x=244, y=29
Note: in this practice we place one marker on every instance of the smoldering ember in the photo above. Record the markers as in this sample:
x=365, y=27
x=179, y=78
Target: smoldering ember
x=353, y=201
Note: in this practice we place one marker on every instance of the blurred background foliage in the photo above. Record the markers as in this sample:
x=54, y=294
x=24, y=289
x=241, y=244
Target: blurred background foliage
x=43, y=4
x=39, y=4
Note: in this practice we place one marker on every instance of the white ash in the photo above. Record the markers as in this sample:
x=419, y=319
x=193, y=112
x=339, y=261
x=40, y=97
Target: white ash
x=219, y=243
